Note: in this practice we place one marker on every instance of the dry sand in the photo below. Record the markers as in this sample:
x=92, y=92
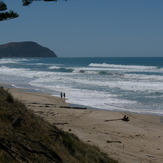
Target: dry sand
x=139, y=140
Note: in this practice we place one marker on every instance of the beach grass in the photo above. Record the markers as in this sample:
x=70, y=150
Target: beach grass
x=26, y=137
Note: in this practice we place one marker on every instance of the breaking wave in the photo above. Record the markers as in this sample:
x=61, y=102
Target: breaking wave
x=122, y=66
x=100, y=85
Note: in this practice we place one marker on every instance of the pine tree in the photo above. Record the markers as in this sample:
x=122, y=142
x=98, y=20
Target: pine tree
x=5, y=15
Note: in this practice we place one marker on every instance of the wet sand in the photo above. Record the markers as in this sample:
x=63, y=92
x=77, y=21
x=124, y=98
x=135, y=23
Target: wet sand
x=139, y=140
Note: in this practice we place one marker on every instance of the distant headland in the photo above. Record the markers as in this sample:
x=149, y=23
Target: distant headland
x=25, y=49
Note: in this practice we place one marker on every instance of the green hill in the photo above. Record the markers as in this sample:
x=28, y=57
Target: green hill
x=25, y=137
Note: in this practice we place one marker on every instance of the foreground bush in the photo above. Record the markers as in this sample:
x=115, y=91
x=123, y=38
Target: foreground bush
x=25, y=137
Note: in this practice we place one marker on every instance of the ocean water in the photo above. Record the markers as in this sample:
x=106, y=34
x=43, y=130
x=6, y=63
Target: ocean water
x=120, y=84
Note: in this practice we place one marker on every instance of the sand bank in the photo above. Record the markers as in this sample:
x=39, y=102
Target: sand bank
x=138, y=141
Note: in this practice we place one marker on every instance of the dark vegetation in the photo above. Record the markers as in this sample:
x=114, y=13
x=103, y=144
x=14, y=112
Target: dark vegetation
x=25, y=137
x=8, y=14
x=11, y=14
x=25, y=49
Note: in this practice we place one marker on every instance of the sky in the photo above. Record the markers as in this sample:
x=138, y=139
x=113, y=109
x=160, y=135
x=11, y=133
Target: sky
x=89, y=28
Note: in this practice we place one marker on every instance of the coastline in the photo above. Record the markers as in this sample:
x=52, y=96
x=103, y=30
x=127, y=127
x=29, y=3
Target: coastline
x=139, y=140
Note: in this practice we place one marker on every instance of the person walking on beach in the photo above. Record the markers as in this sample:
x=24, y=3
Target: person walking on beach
x=61, y=95
x=64, y=95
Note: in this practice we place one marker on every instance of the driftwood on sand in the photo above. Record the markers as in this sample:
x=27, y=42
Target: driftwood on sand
x=125, y=118
x=75, y=107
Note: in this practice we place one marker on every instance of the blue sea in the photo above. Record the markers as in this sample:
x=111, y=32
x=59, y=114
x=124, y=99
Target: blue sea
x=119, y=84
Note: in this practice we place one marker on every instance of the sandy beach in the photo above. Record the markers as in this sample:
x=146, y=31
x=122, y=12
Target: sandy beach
x=139, y=140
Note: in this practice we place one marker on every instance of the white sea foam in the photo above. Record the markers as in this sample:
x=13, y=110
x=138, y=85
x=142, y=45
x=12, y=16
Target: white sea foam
x=134, y=85
x=123, y=85
x=142, y=82
x=123, y=66
x=54, y=67
x=99, y=85
x=90, y=98
x=9, y=60
x=12, y=71
x=39, y=64
x=23, y=72
x=110, y=68
x=144, y=77
x=94, y=99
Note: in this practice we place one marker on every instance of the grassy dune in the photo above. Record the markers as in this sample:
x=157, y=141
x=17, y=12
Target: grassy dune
x=25, y=137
